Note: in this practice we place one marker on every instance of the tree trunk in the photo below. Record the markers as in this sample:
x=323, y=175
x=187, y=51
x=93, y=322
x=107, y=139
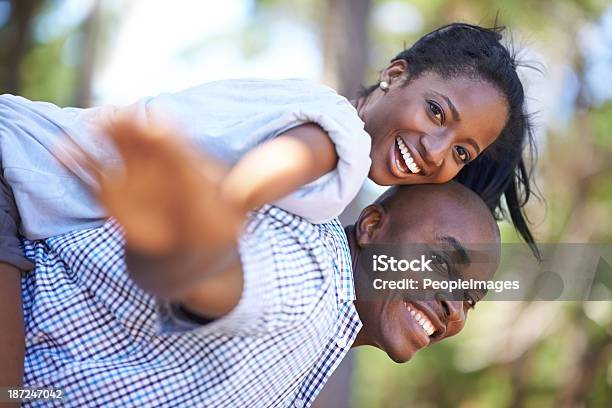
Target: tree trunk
x=17, y=37
x=89, y=45
x=345, y=45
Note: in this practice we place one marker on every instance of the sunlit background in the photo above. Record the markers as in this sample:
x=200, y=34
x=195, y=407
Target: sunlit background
x=511, y=354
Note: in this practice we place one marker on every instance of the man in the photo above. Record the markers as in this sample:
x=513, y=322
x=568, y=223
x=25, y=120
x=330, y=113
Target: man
x=263, y=322
x=92, y=332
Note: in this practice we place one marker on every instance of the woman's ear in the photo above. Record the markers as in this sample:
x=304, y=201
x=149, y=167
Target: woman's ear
x=369, y=223
x=394, y=71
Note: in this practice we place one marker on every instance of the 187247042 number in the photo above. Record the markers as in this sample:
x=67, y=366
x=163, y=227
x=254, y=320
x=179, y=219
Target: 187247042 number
x=21, y=394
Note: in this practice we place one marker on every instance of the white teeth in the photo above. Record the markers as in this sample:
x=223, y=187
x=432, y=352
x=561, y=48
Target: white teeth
x=412, y=166
x=422, y=320
x=408, y=158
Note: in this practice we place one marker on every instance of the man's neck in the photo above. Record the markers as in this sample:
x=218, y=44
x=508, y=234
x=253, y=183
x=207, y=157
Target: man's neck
x=349, y=230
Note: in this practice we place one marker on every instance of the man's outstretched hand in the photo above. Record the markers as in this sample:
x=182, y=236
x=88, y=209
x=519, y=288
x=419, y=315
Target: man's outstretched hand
x=165, y=194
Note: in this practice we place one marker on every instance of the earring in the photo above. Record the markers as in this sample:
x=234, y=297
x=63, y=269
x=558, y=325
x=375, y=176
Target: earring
x=384, y=86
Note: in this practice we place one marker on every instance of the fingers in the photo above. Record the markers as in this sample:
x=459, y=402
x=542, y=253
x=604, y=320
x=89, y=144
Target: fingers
x=139, y=143
x=129, y=133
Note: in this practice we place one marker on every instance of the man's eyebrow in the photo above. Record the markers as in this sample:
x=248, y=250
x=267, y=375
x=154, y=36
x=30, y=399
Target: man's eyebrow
x=459, y=249
x=451, y=106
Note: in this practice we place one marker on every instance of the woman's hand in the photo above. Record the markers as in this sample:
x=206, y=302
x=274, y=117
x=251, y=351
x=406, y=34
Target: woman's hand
x=165, y=194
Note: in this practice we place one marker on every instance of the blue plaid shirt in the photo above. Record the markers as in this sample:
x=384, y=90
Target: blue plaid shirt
x=92, y=332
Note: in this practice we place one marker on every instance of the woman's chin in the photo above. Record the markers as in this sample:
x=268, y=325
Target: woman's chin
x=380, y=177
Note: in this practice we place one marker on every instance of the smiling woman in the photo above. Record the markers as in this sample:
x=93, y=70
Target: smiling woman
x=430, y=128
x=453, y=107
x=450, y=106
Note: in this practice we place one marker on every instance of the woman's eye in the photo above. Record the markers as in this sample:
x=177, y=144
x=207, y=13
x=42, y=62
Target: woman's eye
x=463, y=154
x=436, y=111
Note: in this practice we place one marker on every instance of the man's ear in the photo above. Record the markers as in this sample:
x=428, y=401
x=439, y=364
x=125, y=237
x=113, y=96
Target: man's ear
x=370, y=221
x=394, y=71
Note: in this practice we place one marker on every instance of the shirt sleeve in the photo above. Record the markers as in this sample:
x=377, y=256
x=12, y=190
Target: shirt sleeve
x=325, y=198
x=230, y=118
x=284, y=277
x=10, y=246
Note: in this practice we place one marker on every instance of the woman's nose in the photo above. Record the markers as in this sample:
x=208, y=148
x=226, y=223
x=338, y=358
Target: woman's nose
x=436, y=147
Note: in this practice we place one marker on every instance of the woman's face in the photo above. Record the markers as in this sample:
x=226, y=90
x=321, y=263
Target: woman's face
x=426, y=131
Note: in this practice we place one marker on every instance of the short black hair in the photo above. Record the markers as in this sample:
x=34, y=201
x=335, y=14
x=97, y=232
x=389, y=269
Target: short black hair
x=461, y=49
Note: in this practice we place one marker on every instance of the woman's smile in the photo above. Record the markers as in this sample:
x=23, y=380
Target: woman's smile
x=406, y=156
x=403, y=162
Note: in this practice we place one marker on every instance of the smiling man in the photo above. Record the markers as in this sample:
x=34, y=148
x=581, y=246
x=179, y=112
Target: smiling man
x=267, y=328
x=443, y=216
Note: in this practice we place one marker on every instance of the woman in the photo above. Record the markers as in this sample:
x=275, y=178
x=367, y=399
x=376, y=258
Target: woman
x=450, y=106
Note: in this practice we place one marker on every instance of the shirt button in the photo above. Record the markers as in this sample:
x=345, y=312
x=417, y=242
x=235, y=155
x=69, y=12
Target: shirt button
x=342, y=342
x=298, y=403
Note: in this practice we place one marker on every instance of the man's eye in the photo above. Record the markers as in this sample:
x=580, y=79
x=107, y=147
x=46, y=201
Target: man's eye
x=441, y=265
x=470, y=301
x=436, y=111
x=463, y=154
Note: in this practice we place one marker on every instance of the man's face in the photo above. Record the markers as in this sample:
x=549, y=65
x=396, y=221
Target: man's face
x=401, y=328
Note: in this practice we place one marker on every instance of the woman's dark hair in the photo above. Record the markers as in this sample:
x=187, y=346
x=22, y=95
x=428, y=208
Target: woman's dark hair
x=466, y=50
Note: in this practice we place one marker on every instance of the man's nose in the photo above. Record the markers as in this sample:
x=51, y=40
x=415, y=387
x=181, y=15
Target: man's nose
x=436, y=147
x=453, y=310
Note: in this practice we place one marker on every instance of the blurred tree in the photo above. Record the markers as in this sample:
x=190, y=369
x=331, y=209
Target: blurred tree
x=55, y=64
x=16, y=37
x=345, y=45
x=89, y=44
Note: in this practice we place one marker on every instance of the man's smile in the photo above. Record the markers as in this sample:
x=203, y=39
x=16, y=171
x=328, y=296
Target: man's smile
x=421, y=318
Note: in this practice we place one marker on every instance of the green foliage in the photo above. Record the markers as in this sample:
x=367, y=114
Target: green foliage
x=43, y=78
x=602, y=125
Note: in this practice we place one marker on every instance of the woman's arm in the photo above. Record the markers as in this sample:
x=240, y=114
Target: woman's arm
x=181, y=211
x=12, y=342
x=181, y=235
x=278, y=167
x=267, y=173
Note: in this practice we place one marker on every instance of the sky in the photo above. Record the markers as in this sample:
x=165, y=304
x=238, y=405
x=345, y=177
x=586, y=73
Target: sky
x=170, y=45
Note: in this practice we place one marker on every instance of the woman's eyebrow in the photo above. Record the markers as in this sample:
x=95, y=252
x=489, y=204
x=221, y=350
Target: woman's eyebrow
x=474, y=144
x=457, y=118
x=451, y=106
